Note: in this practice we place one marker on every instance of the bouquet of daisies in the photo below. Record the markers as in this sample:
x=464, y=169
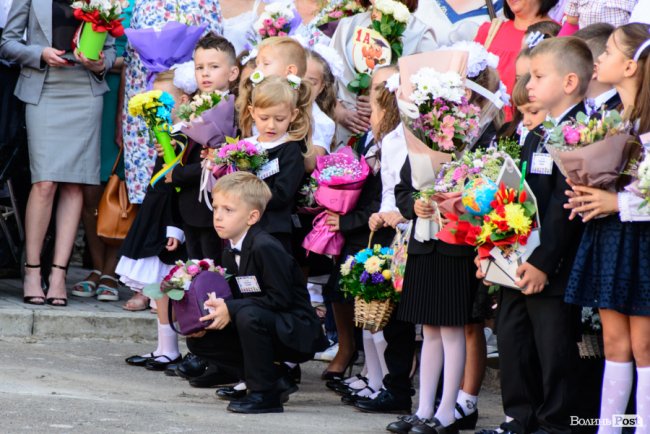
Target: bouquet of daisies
x=99, y=18
x=591, y=151
x=209, y=118
x=366, y=276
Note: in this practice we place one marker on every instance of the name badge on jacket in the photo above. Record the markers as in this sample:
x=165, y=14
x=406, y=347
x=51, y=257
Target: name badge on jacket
x=542, y=164
x=269, y=169
x=248, y=284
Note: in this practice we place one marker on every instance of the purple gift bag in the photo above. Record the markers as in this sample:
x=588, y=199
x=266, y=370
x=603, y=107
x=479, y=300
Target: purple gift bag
x=190, y=308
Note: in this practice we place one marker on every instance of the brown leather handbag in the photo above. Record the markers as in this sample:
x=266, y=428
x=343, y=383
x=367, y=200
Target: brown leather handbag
x=115, y=213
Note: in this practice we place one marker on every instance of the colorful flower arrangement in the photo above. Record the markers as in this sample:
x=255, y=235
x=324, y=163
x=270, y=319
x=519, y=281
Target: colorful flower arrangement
x=155, y=107
x=200, y=103
x=585, y=130
x=179, y=278
x=103, y=16
x=337, y=10
x=445, y=121
x=240, y=155
x=367, y=275
x=306, y=196
x=278, y=19
x=508, y=224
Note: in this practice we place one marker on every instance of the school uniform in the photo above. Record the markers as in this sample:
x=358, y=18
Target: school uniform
x=273, y=318
x=286, y=171
x=537, y=333
x=201, y=239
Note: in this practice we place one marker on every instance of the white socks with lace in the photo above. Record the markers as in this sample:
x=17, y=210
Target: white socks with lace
x=643, y=398
x=374, y=346
x=617, y=385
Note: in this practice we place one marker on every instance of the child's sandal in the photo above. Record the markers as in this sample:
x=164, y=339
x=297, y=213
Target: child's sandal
x=86, y=288
x=105, y=292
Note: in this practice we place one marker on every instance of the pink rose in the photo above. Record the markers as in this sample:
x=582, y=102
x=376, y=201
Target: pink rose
x=282, y=33
x=336, y=14
x=267, y=22
x=571, y=135
x=281, y=21
x=193, y=270
x=262, y=32
x=272, y=31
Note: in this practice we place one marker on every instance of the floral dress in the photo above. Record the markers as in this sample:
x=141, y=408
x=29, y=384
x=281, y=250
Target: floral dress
x=139, y=154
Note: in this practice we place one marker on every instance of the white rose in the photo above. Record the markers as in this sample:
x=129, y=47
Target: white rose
x=401, y=13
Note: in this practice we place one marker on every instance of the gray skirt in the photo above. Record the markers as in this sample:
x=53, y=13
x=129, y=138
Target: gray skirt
x=64, y=129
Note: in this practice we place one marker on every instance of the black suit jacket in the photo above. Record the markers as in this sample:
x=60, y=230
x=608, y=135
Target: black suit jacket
x=283, y=290
x=187, y=176
x=284, y=186
x=560, y=237
x=404, y=192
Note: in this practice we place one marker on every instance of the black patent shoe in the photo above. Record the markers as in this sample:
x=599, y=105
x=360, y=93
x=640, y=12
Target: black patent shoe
x=138, y=360
x=404, y=424
x=212, y=377
x=435, y=427
x=229, y=393
x=385, y=402
x=161, y=365
x=467, y=421
x=257, y=403
x=191, y=366
x=354, y=397
x=170, y=370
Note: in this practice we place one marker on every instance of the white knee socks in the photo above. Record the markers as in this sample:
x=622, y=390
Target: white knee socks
x=453, y=341
x=375, y=363
x=617, y=385
x=430, y=368
x=643, y=398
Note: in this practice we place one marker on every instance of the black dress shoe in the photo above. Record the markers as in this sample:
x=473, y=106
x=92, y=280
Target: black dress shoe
x=435, y=427
x=512, y=427
x=161, y=364
x=139, y=360
x=285, y=387
x=212, y=377
x=468, y=421
x=404, y=424
x=385, y=402
x=257, y=402
x=191, y=366
x=229, y=393
x=170, y=370
x=354, y=397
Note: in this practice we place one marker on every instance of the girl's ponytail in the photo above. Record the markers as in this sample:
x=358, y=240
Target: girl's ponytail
x=301, y=127
x=243, y=101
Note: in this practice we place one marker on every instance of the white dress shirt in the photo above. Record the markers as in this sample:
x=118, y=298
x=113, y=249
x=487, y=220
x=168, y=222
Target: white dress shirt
x=323, y=129
x=393, y=156
x=238, y=246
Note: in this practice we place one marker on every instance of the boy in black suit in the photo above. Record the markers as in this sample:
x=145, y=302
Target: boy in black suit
x=536, y=329
x=270, y=312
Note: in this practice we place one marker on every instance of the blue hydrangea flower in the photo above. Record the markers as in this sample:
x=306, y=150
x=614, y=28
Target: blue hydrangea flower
x=361, y=257
x=387, y=251
x=377, y=278
x=167, y=99
x=364, y=277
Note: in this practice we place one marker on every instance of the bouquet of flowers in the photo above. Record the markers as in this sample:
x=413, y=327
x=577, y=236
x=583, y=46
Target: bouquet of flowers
x=591, y=151
x=340, y=177
x=278, y=19
x=641, y=185
x=380, y=45
x=99, y=18
x=334, y=11
x=366, y=276
x=155, y=107
x=307, y=198
x=209, y=118
x=238, y=155
x=591, y=344
x=179, y=278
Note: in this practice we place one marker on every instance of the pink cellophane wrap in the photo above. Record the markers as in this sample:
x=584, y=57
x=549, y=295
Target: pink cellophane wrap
x=214, y=125
x=339, y=195
x=597, y=165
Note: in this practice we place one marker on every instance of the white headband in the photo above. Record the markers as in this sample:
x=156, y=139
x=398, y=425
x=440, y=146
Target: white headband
x=478, y=57
x=499, y=99
x=185, y=77
x=641, y=49
x=332, y=58
x=392, y=83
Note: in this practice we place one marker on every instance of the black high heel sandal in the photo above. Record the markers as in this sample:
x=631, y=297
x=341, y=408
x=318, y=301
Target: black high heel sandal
x=60, y=301
x=338, y=376
x=37, y=300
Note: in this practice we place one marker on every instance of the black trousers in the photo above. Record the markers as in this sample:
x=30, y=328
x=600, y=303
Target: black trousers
x=400, y=349
x=202, y=243
x=252, y=341
x=537, y=357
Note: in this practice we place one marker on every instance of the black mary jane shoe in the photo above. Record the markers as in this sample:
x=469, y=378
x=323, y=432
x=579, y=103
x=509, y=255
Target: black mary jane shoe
x=467, y=421
x=257, y=403
x=161, y=365
x=404, y=424
x=192, y=366
x=385, y=402
x=170, y=370
x=212, y=377
x=435, y=427
x=354, y=397
x=138, y=360
x=229, y=393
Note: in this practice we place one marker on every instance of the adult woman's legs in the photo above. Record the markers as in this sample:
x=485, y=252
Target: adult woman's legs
x=68, y=213
x=37, y=219
x=344, y=318
x=91, y=196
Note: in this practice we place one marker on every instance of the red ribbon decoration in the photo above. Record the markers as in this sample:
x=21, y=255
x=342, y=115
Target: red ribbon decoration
x=100, y=25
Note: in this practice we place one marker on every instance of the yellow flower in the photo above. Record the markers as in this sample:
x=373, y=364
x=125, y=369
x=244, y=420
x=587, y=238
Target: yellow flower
x=373, y=264
x=387, y=275
x=486, y=231
x=517, y=219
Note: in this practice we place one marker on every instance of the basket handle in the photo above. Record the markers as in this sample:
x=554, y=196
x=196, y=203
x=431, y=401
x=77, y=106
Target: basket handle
x=372, y=233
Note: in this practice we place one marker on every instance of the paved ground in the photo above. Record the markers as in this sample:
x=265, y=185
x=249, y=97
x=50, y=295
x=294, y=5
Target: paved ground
x=62, y=370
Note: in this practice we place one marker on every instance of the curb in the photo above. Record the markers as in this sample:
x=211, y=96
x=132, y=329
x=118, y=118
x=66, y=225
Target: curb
x=76, y=324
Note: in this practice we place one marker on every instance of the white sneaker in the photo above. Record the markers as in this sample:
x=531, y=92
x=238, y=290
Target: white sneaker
x=327, y=355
